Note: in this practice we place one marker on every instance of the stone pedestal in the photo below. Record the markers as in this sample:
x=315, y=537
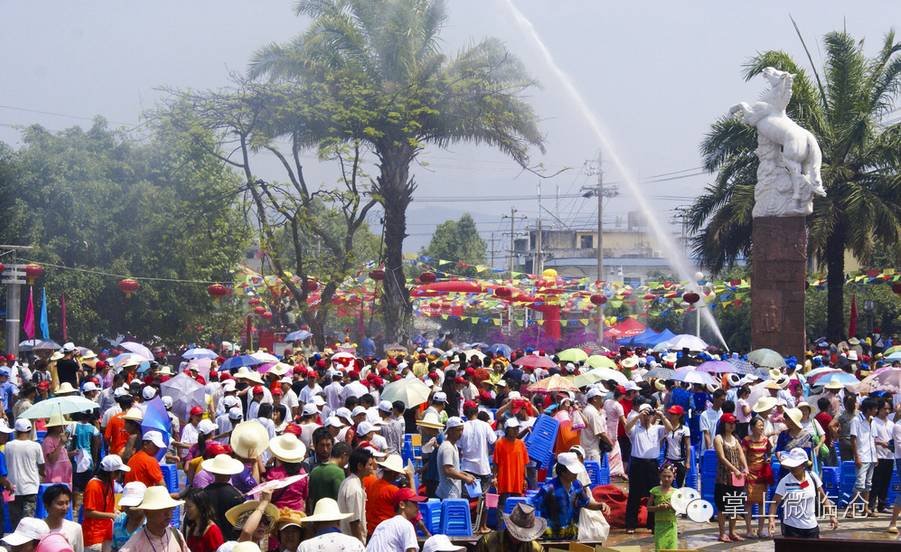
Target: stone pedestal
x=778, y=275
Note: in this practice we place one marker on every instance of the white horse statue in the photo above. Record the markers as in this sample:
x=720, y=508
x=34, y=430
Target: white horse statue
x=801, y=154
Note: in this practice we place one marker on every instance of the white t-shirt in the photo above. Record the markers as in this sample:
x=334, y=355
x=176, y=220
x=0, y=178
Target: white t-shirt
x=447, y=487
x=674, y=440
x=799, y=504
x=863, y=436
x=289, y=399
x=474, y=444
x=646, y=441
x=709, y=418
x=22, y=461
x=395, y=534
x=306, y=433
x=595, y=424
x=73, y=534
x=896, y=436
x=614, y=411
x=331, y=542
x=190, y=435
x=334, y=393
x=740, y=411
x=352, y=500
x=307, y=393
x=882, y=431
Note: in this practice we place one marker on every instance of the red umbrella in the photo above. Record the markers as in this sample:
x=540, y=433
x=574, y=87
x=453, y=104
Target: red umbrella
x=534, y=361
x=627, y=328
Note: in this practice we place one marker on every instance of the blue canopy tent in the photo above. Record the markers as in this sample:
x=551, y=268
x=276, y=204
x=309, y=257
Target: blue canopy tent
x=647, y=338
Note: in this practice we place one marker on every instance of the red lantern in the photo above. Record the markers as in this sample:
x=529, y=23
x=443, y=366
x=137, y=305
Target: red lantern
x=259, y=309
x=217, y=291
x=310, y=285
x=649, y=297
x=33, y=272
x=267, y=315
x=691, y=298
x=427, y=277
x=128, y=286
x=2, y=267
x=896, y=287
x=503, y=292
x=378, y=274
x=598, y=299
x=253, y=301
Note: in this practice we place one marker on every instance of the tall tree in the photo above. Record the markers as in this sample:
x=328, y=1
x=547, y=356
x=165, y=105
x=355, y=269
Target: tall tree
x=416, y=96
x=457, y=240
x=846, y=107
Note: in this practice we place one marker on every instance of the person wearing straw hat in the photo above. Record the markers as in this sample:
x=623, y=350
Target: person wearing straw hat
x=521, y=532
x=397, y=534
x=25, y=464
x=801, y=490
x=254, y=519
x=290, y=529
x=380, y=493
x=222, y=494
x=57, y=465
x=430, y=427
x=328, y=536
x=157, y=535
x=289, y=452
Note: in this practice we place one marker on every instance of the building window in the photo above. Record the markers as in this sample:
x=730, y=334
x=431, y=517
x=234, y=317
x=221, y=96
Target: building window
x=586, y=242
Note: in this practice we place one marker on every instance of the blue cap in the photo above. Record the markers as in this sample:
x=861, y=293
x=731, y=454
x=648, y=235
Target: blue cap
x=4, y=372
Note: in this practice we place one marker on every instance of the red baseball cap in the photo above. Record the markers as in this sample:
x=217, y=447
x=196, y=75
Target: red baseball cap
x=459, y=379
x=276, y=391
x=293, y=428
x=728, y=418
x=257, y=389
x=470, y=404
x=676, y=410
x=196, y=411
x=407, y=494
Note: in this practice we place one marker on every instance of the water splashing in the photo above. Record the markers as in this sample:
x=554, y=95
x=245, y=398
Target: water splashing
x=671, y=250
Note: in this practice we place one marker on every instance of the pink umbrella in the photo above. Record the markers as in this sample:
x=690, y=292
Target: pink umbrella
x=534, y=361
x=202, y=365
x=718, y=367
x=885, y=380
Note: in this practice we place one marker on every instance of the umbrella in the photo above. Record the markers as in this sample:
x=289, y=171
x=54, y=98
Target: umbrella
x=553, y=384
x=572, y=355
x=59, y=406
x=682, y=341
x=534, y=361
x=588, y=378
x=843, y=378
x=741, y=366
x=887, y=379
x=299, y=335
x=660, y=373
x=766, y=358
x=28, y=344
x=46, y=345
x=202, y=365
x=892, y=349
x=137, y=349
x=474, y=352
x=600, y=361
x=411, y=391
x=894, y=356
x=610, y=374
x=501, y=349
x=817, y=371
x=395, y=347
x=690, y=375
x=718, y=367
x=239, y=361
x=128, y=359
x=185, y=392
x=191, y=354
x=263, y=358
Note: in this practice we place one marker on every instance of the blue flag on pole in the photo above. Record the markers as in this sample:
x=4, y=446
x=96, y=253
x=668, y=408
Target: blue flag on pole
x=45, y=325
x=156, y=419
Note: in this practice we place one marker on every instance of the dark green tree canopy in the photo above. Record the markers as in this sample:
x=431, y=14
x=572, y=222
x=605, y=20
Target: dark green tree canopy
x=457, y=240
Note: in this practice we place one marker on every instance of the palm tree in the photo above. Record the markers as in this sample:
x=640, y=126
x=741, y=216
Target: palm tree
x=413, y=96
x=848, y=106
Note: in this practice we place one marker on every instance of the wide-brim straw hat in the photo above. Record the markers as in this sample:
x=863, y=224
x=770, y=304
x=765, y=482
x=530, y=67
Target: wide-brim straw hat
x=249, y=439
x=288, y=448
x=157, y=498
x=134, y=414
x=234, y=514
x=430, y=420
x=223, y=464
x=289, y=518
x=57, y=420
x=244, y=373
x=393, y=463
x=763, y=404
x=523, y=524
x=65, y=388
x=326, y=510
x=795, y=415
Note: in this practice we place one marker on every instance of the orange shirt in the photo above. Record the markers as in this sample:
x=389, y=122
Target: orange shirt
x=379, y=503
x=116, y=435
x=144, y=468
x=511, y=459
x=99, y=498
x=567, y=437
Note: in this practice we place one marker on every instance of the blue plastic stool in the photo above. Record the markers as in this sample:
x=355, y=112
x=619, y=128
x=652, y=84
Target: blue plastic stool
x=455, y=520
x=170, y=476
x=593, y=467
x=431, y=515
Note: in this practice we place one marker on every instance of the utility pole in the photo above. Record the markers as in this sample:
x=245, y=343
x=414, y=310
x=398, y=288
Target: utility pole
x=513, y=218
x=13, y=278
x=600, y=193
x=538, y=262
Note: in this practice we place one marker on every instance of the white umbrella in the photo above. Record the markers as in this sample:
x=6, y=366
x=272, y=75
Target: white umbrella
x=200, y=352
x=28, y=344
x=59, y=406
x=137, y=349
x=690, y=375
x=185, y=392
x=609, y=374
x=202, y=365
x=411, y=391
x=264, y=358
x=683, y=341
x=128, y=359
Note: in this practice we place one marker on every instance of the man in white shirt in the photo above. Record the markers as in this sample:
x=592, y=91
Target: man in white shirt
x=709, y=419
x=25, y=464
x=352, y=495
x=312, y=388
x=397, y=534
x=595, y=425
x=450, y=476
x=645, y=433
x=882, y=426
x=334, y=392
x=474, y=446
x=863, y=447
x=289, y=397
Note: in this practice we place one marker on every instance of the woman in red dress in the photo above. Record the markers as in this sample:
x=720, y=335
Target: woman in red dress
x=201, y=532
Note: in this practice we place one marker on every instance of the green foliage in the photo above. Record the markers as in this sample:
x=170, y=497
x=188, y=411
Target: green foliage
x=847, y=106
x=98, y=200
x=886, y=313
x=457, y=240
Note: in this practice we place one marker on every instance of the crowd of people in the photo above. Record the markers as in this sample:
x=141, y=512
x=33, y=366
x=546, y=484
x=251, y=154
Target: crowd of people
x=306, y=454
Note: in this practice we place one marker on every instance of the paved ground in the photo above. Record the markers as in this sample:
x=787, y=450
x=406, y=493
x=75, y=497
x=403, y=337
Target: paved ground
x=703, y=536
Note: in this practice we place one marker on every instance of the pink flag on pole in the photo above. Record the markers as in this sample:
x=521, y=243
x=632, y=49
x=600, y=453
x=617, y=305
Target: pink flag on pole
x=62, y=308
x=28, y=325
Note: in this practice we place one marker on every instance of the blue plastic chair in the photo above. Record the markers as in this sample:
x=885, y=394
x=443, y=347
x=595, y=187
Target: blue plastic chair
x=455, y=519
x=431, y=515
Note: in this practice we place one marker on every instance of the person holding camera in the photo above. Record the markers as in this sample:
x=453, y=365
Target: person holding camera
x=646, y=433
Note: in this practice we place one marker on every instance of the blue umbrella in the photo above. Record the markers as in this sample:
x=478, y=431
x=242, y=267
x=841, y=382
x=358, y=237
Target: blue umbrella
x=239, y=361
x=191, y=354
x=501, y=349
x=299, y=335
x=894, y=356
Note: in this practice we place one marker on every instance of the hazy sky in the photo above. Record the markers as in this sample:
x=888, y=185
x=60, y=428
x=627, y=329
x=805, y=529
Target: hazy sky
x=657, y=73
